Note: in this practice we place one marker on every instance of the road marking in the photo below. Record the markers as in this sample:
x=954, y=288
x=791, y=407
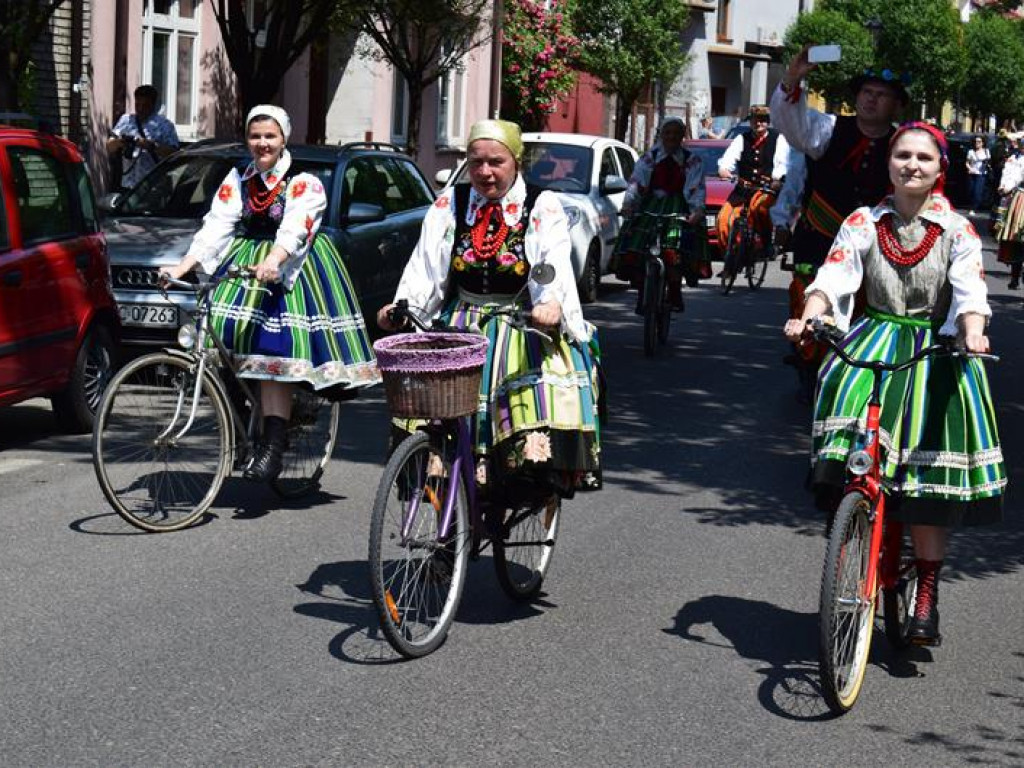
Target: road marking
x=13, y=465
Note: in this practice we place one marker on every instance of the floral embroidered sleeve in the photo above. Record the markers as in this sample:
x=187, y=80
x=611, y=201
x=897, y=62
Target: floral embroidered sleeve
x=304, y=204
x=839, y=278
x=425, y=278
x=694, y=187
x=548, y=242
x=967, y=278
x=639, y=181
x=212, y=240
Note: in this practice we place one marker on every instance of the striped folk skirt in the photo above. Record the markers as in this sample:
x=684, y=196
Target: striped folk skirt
x=941, y=459
x=1010, y=228
x=681, y=245
x=537, y=415
x=314, y=333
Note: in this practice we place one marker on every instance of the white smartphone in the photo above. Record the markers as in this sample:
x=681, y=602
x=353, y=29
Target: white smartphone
x=822, y=54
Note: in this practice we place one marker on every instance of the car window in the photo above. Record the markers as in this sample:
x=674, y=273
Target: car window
x=5, y=237
x=559, y=167
x=709, y=155
x=182, y=188
x=85, y=197
x=608, y=167
x=411, y=188
x=43, y=195
x=365, y=182
x=626, y=161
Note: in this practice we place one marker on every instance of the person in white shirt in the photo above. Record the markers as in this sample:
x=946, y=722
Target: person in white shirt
x=142, y=138
x=978, y=160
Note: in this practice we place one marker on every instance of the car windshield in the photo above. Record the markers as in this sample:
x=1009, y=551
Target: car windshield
x=183, y=187
x=558, y=167
x=710, y=155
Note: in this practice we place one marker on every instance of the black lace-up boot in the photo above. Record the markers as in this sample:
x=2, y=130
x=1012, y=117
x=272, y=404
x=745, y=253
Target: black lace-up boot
x=267, y=463
x=924, y=628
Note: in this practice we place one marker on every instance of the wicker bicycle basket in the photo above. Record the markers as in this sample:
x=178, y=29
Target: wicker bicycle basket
x=431, y=375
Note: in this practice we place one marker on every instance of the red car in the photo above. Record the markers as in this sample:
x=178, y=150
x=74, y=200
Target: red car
x=718, y=189
x=58, y=321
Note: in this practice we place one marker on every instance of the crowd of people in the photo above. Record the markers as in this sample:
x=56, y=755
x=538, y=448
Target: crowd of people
x=878, y=247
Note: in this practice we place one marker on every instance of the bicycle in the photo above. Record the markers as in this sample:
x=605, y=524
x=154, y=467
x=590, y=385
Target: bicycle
x=742, y=251
x=865, y=552
x=656, y=310
x=173, y=424
x=429, y=516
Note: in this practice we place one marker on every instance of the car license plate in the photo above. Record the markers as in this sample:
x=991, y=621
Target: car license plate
x=150, y=315
x=710, y=220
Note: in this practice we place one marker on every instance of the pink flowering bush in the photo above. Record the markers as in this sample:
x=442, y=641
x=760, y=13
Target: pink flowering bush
x=536, y=60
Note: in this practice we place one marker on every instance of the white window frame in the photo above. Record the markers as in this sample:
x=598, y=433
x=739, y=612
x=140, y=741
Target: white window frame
x=176, y=27
x=451, y=123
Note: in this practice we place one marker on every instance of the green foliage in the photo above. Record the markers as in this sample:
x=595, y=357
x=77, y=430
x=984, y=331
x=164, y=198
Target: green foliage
x=828, y=27
x=994, y=84
x=629, y=43
x=535, y=60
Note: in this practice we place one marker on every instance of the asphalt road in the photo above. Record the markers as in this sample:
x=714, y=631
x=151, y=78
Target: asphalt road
x=678, y=625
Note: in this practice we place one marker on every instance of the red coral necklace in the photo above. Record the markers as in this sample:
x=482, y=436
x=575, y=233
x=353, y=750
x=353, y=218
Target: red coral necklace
x=261, y=199
x=487, y=244
x=895, y=252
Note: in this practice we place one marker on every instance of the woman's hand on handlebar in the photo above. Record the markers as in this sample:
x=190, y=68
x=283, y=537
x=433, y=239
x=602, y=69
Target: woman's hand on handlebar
x=547, y=315
x=794, y=329
x=976, y=342
x=176, y=272
x=386, y=319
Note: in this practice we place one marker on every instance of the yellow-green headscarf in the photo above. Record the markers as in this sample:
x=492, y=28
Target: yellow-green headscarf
x=502, y=131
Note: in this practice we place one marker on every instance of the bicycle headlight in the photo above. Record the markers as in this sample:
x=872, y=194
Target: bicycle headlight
x=859, y=463
x=186, y=337
x=573, y=214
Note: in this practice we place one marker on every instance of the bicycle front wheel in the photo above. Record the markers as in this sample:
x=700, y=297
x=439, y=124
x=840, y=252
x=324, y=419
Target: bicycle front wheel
x=757, y=269
x=524, y=548
x=846, y=611
x=416, y=576
x=654, y=300
x=156, y=473
x=733, y=257
x=312, y=435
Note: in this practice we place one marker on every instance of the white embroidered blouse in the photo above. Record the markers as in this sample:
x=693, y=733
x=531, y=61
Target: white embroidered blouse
x=947, y=283
x=424, y=282
x=305, y=203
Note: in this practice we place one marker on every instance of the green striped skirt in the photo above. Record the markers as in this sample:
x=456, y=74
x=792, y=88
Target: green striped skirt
x=314, y=333
x=941, y=459
x=681, y=244
x=537, y=414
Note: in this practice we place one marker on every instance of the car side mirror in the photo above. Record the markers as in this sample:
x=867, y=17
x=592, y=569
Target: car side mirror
x=442, y=176
x=613, y=184
x=108, y=203
x=363, y=213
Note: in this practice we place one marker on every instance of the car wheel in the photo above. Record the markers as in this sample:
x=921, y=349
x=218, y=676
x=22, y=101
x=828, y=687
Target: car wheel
x=75, y=406
x=590, y=280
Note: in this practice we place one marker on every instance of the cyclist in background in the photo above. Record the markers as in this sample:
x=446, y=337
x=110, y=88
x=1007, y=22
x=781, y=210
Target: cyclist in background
x=667, y=179
x=756, y=157
x=920, y=265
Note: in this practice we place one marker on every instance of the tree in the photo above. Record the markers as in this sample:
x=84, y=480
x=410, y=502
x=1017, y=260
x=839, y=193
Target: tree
x=820, y=27
x=535, y=65
x=21, y=24
x=260, y=57
x=423, y=40
x=628, y=44
x=994, y=85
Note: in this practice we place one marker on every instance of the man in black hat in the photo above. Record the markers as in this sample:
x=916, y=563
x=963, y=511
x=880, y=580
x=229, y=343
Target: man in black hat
x=846, y=166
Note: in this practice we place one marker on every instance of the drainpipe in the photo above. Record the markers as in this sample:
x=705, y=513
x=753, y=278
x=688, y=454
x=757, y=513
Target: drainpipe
x=497, y=20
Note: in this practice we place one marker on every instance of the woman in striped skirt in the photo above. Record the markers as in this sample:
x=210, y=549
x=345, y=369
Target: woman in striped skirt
x=1009, y=226
x=305, y=327
x=920, y=265
x=537, y=419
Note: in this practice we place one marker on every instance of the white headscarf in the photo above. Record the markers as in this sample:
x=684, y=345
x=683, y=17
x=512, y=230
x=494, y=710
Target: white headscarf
x=269, y=110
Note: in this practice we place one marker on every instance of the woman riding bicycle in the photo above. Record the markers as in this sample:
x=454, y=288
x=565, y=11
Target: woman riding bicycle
x=538, y=416
x=304, y=326
x=667, y=179
x=757, y=157
x=921, y=266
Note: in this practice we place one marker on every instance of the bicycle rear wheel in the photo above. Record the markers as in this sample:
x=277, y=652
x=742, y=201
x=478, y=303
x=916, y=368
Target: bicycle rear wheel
x=524, y=548
x=733, y=257
x=154, y=477
x=417, y=578
x=312, y=435
x=757, y=269
x=846, y=614
x=654, y=300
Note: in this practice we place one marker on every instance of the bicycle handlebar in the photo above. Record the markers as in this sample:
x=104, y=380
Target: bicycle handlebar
x=518, y=318
x=233, y=272
x=830, y=334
